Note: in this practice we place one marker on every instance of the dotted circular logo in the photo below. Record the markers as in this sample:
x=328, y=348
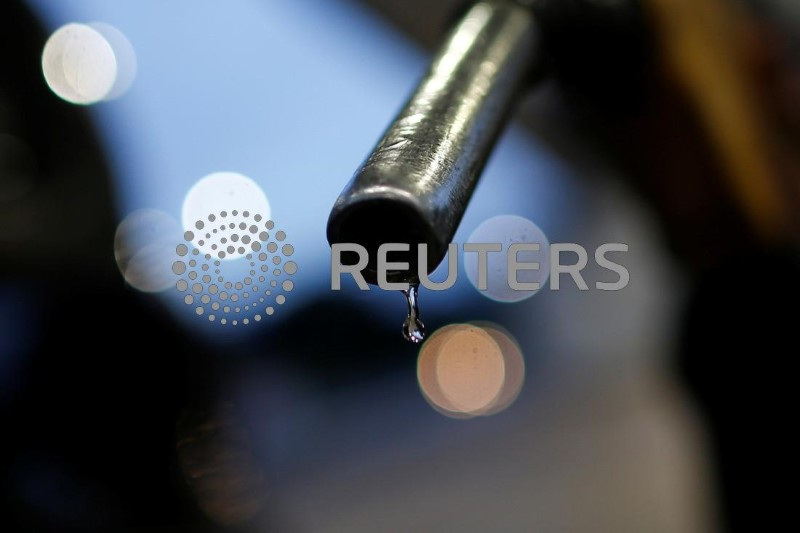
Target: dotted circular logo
x=235, y=268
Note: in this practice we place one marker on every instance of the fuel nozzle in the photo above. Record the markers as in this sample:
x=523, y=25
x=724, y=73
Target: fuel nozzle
x=415, y=185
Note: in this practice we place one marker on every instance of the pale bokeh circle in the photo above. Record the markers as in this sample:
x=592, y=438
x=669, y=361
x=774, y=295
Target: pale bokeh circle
x=218, y=192
x=144, y=249
x=125, y=56
x=507, y=230
x=79, y=64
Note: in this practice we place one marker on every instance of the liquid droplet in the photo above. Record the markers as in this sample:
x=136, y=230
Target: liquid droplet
x=413, y=328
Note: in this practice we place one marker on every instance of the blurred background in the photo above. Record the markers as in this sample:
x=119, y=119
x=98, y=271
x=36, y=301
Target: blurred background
x=667, y=125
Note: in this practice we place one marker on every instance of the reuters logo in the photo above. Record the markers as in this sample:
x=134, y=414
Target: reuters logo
x=234, y=268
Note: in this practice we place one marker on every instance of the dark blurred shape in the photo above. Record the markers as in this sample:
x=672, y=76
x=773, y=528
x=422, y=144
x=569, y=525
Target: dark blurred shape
x=100, y=373
x=738, y=349
x=338, y=344
x=216, y=457
x=599, y=52
x=18, y=169
x=45, y=162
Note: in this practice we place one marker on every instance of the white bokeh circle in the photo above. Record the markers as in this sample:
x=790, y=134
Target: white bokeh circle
x=507, y=230
x=79, y=64
x=218, y=192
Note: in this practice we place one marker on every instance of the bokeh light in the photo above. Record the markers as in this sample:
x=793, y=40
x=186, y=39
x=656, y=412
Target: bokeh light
x=223, y=192
x=124, y=55
x=507, y=230
x=219, y=465
x=87, y=63
x=467, y=370
x=514, y=365
x=144, y=248
x=470, y=369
